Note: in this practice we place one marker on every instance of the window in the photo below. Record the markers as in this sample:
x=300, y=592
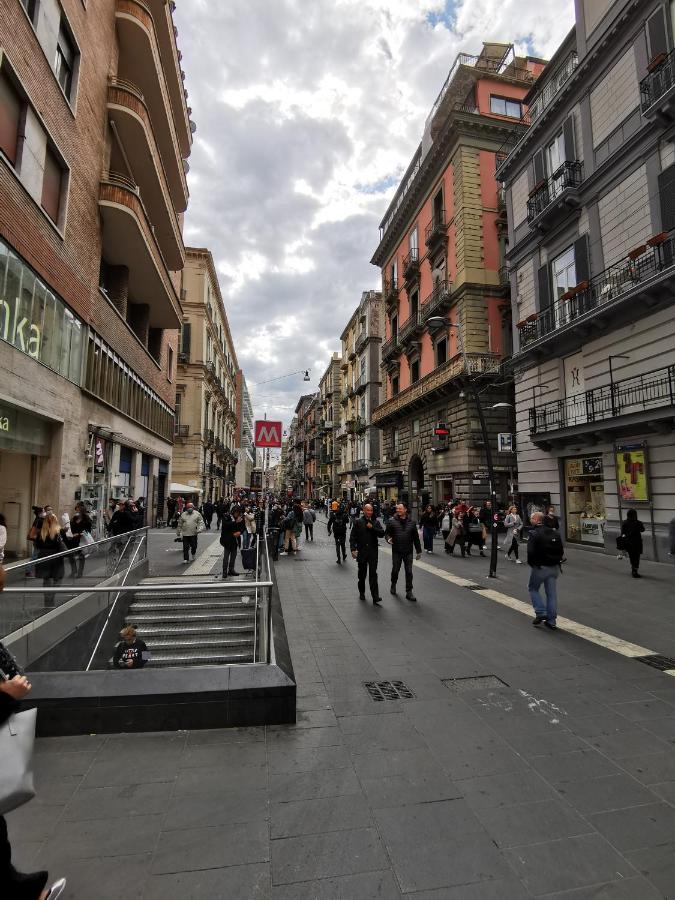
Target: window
x=11, y=108
x=64, y=66
x=502, y=106
x=563, y=273
x=394, y=385
x=414, y=371
x=414, y=304
x=412, y=241
x=395, y=440
x=556, y=153
x=415, y=427
x=169, y=364
x=394, y=274
x=441, y=351
x=31, y=9
x=179, y=404
x=51, y=185
x=394, y=326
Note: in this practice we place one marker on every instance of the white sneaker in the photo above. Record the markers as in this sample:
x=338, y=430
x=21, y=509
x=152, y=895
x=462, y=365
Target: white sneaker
x=519, y=562
x=56, y=889
x=484, y=546
x=185, y=562
x=506, y=556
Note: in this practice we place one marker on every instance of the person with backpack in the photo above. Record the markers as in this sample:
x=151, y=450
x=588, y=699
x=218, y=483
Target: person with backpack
x=545, y=553
x=288, y=526
x=337, y=524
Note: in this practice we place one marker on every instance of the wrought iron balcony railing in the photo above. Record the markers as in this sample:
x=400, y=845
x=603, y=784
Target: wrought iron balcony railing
x=411, y=263
x=436, y=229
x=436, y=299
x=641, y=393
x=567, y=178
x=390, y=347
x=390, y=290
x=659, y=83
x=410, y=326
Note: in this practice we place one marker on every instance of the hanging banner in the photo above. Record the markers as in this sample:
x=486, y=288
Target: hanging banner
x=99, y=456
x=631, y=472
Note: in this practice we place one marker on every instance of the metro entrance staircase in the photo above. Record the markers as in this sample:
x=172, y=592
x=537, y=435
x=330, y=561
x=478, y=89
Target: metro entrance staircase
x=199, y=628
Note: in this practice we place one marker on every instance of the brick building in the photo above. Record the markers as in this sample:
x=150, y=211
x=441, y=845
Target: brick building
x=590, y=190
x=441, y=252
x=94, y=133
x=205, y=455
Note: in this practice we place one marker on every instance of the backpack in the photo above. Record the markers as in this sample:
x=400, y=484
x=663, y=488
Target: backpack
x=550, y=546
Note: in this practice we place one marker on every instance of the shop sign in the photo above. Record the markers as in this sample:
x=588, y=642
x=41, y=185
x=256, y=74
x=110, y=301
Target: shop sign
x=631, y=472
x=389, y=479
x=99, y=456
x=504, y=442
x=585, y=466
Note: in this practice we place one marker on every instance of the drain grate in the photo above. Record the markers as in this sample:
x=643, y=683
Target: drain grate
x=388, y=690
x=474, y=683
x=662, y=663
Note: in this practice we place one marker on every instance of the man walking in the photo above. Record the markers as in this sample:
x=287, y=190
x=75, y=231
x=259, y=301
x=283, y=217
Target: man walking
x=207, y=512
x=545, y=553
x=337, y=524
x=308, y=520
x=230, y=532
x=190, y=524
x=363, y=544
x=403, y=536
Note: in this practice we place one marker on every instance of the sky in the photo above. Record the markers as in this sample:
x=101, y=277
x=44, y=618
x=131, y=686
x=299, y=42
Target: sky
x=308, y=113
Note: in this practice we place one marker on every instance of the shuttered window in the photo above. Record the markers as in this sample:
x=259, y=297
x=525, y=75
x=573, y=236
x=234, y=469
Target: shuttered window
x=51, y=185
x=64, y=65
x=186, y=339
x=656, y=34
x=10, y=116
x=667, y=197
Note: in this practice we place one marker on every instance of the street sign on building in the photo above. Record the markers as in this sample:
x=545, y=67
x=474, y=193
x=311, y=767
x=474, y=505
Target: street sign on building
x=268, y=434
x=504, y=442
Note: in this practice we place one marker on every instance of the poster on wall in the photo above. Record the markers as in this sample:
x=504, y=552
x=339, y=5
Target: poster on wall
x=99, y=456
x=631, y=472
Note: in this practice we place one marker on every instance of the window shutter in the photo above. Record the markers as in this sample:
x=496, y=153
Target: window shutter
x=185, y=342
x=568, y=139
x=539, y=167
x=51, y=186
x=656, y=33
x=544, y=288
x=10, y=113
x=667, y=197
x=581, y=259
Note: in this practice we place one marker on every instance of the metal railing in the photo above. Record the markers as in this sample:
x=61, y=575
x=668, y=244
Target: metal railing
x=569, y=175
x=410, y=325
x=647, y=391
x=436, y=298
x=411, y=262
x=390, y=289
x=436, y=228
x=655, y=257
x=390, y=347
x=658, y=82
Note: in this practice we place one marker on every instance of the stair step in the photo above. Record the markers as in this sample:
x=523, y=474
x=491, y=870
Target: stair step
x=180, y=596
x=212, y=643
x=190, y=628
x=199, y=658
x=133, y=619
x=176, y=603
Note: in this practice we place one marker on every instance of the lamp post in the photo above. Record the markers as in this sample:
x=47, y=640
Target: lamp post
x=442, y=322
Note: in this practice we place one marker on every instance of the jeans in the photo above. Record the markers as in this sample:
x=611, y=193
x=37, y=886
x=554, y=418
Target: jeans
x=546, y=575
x=514, y=547
x=189, y=544
x=407, y=560
x=368, y=564
x=428, y=537
x=248, y=539
x=309, y=532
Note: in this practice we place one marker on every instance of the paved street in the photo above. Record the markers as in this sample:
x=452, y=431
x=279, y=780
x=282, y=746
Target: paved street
x=559, y=781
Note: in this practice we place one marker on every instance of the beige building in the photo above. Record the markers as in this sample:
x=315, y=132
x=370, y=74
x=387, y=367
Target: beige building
x=204, y=456
x=330, y=390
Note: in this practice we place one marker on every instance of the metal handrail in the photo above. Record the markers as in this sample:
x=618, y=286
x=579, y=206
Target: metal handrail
x=660, y=80
x=569, y=174
x=79, y=549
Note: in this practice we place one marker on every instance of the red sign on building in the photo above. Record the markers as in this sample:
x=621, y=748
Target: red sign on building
x=268, y=434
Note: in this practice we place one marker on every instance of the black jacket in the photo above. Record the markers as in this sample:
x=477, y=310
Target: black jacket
x=364, y=539
x=228, y=530
x=537, y=542
x=632, y=529
x=404, y=535
x=429, y=519
x=337, y=523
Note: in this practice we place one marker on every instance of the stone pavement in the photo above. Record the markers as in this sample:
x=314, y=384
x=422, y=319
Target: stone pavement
x=560, y=782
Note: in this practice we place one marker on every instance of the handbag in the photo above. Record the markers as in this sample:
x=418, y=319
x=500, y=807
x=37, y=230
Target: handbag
x=32, y=533
x=17, y=737
x=475, y=528
x=621, y=542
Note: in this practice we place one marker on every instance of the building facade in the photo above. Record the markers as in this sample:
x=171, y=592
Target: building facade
x=244, y=444
x=590, y=192
x=94, y=134
x=357, y=437
x=330, y=391
x=207, y=427
x=441, y=253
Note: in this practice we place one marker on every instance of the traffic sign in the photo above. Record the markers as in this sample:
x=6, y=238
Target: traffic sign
x=268, y=434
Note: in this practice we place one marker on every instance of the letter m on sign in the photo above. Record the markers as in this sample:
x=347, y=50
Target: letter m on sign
x=268, y=434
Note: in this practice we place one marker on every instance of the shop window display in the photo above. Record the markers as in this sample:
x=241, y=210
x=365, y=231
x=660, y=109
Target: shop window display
x=585, y=500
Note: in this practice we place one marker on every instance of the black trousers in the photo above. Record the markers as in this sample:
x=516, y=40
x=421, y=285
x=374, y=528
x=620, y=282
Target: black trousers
x=368, y=564
x=309, y=532
x=407, y=560
x=634, y=557
x=189, y=543
x=229, y=559
x=340, y=547
x=10, y=888
x=514, y=547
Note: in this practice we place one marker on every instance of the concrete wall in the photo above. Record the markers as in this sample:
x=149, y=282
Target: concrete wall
x=615, y=96
x=625, y=217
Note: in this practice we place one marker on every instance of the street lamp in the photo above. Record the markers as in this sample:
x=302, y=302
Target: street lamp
x=442, y=322
x=303, y=372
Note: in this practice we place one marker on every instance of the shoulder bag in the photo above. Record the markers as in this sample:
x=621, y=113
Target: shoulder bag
x=17, y=737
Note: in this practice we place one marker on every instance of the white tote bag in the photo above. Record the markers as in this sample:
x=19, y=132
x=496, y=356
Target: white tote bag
x=17, y=737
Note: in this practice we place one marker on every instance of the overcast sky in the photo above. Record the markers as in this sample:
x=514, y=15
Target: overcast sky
x=308, y=112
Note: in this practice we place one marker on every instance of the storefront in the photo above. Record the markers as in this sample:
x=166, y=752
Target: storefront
x=389, y=484
x=443, y=489
x=585, y=511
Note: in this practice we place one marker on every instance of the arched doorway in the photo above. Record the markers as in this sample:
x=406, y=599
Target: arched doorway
x=419, y=495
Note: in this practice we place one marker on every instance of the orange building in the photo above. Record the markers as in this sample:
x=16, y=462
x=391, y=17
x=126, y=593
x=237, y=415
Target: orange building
x=441, y=252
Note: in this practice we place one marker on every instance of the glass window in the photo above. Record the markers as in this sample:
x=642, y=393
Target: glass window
x=556, y=153
x=10, y=117
x=52, y=179
x=64, y=65
x=412, y=239
x=395, y=440
x=441, y=351
x=502, y=106
x=414, y=371
x=563, y=272
x=394, y=385
x=31, y=8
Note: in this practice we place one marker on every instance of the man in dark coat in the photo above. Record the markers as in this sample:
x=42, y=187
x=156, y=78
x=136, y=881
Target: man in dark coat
x=207, y=513
x=230, y=532
x=337, y=524
x=363, y=544
x=403, y=536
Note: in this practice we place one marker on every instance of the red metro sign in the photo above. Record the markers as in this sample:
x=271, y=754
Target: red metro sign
x=268, y=434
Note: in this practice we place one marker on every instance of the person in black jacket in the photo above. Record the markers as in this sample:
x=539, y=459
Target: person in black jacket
x=545, y=552
x=429, y=523
x=403, y=536
x=230, y=532
x=131, y=652
x=337, y=524
x=363, y=544
x=631, y=532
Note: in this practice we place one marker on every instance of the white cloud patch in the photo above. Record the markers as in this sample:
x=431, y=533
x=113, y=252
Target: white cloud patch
x=308, y=112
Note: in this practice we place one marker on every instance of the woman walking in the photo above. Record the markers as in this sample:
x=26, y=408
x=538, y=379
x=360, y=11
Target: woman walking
x=429, y=523
x=446, y=524
x=80, y=528
x=513, y=523
x=473, y=530
x=456, y=534
x=631, y=532
x=250, y=525
x=48, y=542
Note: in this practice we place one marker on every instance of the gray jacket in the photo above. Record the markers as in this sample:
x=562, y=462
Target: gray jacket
x=190, y=523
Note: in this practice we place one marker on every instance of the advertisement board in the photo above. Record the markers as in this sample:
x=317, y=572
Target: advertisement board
x=631, y=472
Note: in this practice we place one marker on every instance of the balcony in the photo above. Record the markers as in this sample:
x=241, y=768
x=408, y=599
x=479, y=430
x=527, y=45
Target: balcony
x=361, y=341
x=554, y=198
x=344, y=397
x=360, y=465
x=351, y=351
x=411, y=327
x=645, y=398
x=128, y=240
x=341, y=432
x=181, y=432
x=391, y=348
x=390, y=292
x=411, y=265
x=436, y=231
x=356, y=426
x=210, y=437
x=643, y=280
x=361, y=383
x=657, y=90
x=437, y=302
x=434, y=385
x=140, y=63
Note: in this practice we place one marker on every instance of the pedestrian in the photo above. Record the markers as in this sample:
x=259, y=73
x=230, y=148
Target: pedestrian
x=545, y=553
x=49, y=542
x=337, y=525
x=207, y=513
x=456, y=535
x=3, y=537
x=131, y=652
x=485, y=519
x=631, y=534
x=473, y=531
x=308, y=520
x=121, y=520
x=171, y=507
x=230, y=532
x=513, y=524
x=363, y=543
x=353, y=512
x=190, y=525
x=429, y=523
x=80, y=529
x=445, y=521
x=250, y=528
x=550, y=518
x=403, y=536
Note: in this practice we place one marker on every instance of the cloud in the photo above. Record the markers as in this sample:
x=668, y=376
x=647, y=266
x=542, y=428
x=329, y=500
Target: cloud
x=308, y=112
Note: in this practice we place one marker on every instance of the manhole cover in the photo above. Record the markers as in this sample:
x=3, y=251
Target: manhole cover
x=662, y=663
x=388, y=690
x=475, y=683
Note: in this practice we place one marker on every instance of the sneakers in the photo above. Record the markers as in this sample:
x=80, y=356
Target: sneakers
x=538, y=620
x=56, y=889
x=519, y=562
x=506, y=556
x=339, y=563
x=411, y=597
x=392, y=589
x=429, y=551
x=185, y=562
x=484, y=546
x=376, y=600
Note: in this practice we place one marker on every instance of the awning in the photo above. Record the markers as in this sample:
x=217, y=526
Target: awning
x=389, y=479
x=176, y=488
